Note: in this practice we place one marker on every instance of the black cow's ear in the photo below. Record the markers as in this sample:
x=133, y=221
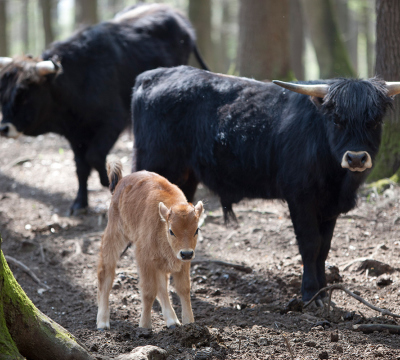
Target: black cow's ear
x=317, y=101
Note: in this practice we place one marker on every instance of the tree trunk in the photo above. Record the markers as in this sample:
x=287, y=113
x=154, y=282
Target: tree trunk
x=200, y=16
x=332, y=56
x=85, y=13
x=25, y=331
x=263, y=51
x=368, y=13
x=3, y=28
x=25, y=25
x=46, y=6
x=297, y=39
x=388, y=68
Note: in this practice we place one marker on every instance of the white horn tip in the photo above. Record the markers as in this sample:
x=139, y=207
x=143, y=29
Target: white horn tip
x=45, y=67
x=4, y=61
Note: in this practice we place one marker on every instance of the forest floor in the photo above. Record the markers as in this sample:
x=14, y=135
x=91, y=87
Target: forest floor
x=238, y=315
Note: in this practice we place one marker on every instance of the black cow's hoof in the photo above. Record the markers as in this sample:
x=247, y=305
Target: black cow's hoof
x=76, y=211
x=319, y=303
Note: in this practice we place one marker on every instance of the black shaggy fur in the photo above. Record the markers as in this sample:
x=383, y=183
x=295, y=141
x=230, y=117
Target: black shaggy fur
x=88, y=101
x=248, y=139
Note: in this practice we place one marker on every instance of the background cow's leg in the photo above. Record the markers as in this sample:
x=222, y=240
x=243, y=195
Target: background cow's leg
x=189, y=185
x=182, y=286
x=83, y=171
x=167, y=310
x=306, y=228
x=99, y=148
x=326, y=229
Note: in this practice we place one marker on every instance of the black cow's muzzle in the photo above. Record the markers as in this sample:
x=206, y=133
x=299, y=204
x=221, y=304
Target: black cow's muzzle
x=9, y=130
x=4, y=130
x=356, y=161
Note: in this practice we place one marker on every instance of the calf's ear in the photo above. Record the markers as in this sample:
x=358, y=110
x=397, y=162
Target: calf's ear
x=199, y=208
x=163, y=210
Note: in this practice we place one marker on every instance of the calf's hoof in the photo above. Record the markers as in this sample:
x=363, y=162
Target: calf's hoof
x=102, y=325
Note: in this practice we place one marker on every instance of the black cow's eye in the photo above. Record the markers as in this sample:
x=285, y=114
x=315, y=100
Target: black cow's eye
x=170, y=231
x=337, y=123
x=197, y=231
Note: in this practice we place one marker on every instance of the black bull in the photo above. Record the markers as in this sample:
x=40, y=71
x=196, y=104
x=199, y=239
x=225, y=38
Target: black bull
x=244, y=138
x=82, y=89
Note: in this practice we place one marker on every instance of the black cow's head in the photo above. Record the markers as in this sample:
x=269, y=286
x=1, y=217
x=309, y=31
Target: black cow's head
x=354, y=111
x=25, y=96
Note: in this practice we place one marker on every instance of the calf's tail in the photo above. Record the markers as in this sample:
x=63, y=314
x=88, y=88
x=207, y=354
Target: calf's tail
x=114, y=173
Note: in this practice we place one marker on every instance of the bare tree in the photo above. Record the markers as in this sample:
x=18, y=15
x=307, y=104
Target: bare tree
x=25, y=25
x=3, y=28
x=332, y=55
x=46, y=6
x=85, y=13
x=388, y=67
x=297, y=39
x=263, y=51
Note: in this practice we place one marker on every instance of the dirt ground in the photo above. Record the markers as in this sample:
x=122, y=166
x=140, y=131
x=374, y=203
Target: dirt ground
x=238, y=315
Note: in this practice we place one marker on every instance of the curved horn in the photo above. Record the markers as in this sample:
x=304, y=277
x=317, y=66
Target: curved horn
x=4, y=61
x=318, y=90
x=45, y=67
x=393, y=88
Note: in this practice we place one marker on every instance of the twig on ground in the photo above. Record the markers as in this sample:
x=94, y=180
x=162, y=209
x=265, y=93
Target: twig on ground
x=18, y=263
x=353, y=262
x=42, y=253
x=348, y=292
x=239, y=267
x=288, y=346
x=369, y=328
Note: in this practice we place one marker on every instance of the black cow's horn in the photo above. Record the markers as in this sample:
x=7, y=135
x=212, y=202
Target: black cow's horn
x=45, y=67
x=318, y=90
x=393, y=88
x=4, y=61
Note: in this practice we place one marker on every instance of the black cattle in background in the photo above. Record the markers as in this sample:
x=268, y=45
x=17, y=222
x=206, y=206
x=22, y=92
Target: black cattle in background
x=81, y=88
x=245, y=138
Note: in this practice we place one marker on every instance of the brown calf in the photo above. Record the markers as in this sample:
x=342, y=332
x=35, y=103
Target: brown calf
x=154, y=215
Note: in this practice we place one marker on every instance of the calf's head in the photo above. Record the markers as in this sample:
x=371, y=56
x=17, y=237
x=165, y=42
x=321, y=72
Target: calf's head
x=25, y=96
x=182, y=228
x=353, y=111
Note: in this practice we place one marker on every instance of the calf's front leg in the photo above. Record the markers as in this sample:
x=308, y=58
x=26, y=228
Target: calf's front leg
x=168, y=312
x=182, y=286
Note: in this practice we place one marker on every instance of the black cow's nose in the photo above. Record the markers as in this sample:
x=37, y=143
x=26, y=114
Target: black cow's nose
x=357, y=159
x=4, y=130
x=186, y=254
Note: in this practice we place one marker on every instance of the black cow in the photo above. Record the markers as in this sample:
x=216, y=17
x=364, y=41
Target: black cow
x=245, y=138
x=81, y=88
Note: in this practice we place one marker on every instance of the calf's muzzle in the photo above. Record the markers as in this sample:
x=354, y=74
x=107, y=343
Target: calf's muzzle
x=356, y=161
x=186, y=254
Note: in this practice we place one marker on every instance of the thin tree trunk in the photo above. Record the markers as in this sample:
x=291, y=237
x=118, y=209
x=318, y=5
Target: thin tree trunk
x=369, y=32
x=85, y=13
x=25, y=331
x=263, y=51
x=46, y=6
x=3, y=28
x=388, y=68
x=200, y=16
x=332, y=56
x=25, y=25
x=297, y=39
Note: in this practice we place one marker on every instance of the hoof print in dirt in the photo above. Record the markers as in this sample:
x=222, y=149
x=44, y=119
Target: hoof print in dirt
x=144, y=353
x=348, y=316
x=293, y=305
x=144, y=333
x=323, y=355
x=204, y=354
x=193, y=334
x=332, y=274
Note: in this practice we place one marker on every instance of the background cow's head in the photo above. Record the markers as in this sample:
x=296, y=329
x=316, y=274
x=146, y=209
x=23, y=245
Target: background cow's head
x=353, y=110
x=25, y=96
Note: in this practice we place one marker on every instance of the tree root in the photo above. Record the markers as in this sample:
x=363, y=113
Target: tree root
x=348, y=292
x=369, y=328
x=239, y=267
x=18, y=263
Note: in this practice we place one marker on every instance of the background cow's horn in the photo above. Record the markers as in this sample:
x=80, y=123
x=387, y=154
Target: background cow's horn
x=393, y=88
x=4, y=61
x=45, y=67
x=318, y=90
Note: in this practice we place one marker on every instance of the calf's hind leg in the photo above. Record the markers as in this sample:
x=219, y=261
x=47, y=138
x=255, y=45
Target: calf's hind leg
x=148, y=291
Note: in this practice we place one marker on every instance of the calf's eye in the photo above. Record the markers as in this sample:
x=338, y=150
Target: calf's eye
x=170, y=231
x=197, y=231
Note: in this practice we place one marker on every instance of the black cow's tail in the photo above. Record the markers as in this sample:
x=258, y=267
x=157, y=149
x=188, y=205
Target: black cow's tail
x=114, y=172
x=199, y=58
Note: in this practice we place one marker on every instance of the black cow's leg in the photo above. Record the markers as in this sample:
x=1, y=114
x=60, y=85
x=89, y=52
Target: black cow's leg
x=326, y=229
x=83, y=171
x=189, y=186
x=308, y=236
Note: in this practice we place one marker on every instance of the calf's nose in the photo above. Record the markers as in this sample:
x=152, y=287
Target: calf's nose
x=187, y=254
x=4, y=130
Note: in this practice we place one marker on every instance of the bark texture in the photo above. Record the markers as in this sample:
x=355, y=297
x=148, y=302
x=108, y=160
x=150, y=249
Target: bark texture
x=297, y=43
x=3, y=28
x=332, y=56
x=46, y=6
x=388, y=68
x=85, y=13
x=25, y=332
x=263, y=51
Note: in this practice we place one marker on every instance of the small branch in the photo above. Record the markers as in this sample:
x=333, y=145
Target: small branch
x=348, y=292
x=239, y=267
x=289, y=347
x=369, y=328
x=18, y=263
